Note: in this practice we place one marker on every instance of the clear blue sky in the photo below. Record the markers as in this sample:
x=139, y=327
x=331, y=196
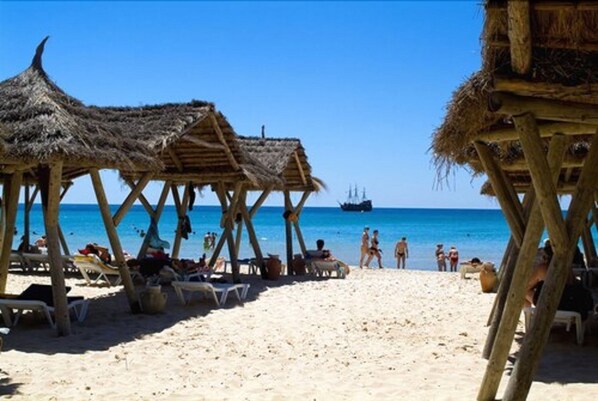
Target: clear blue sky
x=363, y=85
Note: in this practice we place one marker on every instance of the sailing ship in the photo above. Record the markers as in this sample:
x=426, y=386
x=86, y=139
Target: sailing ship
x=356, y=204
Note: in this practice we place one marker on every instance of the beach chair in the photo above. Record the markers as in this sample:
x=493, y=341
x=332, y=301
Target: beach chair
x=169, y=274
x=93, y=264
x=38, y=298
x=561, y=317
x=211, y=290
x=36, y=261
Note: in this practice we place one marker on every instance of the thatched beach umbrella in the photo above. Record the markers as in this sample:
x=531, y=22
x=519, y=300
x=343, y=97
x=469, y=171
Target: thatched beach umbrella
x=529, y=120
x=197, y=147
x=287, y=158
x=51, y=136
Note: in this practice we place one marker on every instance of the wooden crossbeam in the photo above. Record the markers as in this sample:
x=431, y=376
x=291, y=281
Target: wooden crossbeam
x=131, y=198
x=258, y=203
x=175, y=159
x=300, y=168
x=146, y=205
x=227, y=151
x=505, y=103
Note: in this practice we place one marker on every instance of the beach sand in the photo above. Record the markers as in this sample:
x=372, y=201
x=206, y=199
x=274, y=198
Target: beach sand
x=379, y=335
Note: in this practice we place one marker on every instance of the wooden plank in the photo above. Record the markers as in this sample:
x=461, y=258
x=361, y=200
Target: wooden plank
x=11, y=189
x=545, y=109
x=516, y=293
x=541, y=177
x=513, y=215
x=131, y=198
x=227, y=151
x=520, y=36
x=117, y=250
x=537, y=336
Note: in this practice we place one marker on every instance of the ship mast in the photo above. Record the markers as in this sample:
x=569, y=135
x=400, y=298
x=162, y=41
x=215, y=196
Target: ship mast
x=363, y=197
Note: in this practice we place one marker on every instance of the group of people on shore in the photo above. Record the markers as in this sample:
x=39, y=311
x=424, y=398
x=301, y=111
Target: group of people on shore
x=209, y=241
x=441, y=258
x=370, y=247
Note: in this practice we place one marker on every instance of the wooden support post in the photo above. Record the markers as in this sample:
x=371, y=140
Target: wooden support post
x=49, y=182
x=26, y=220
x=520, y=36
x=252, y=237
x=11, y=189
x=131, y=198
x=506, y=279
x=537, y=336
x=258, y=203
x=181, y=213
x=513, y=214
x=544, y=186
x=146, y=205
x=288, y=207
x=228, y=226
x=155, y=214
x=297, y=212
x=114, y=240
x=516, y=293
x=63, y=243
x=588, y=244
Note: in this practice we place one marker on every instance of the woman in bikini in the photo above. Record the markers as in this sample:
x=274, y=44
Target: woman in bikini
x=374, y=251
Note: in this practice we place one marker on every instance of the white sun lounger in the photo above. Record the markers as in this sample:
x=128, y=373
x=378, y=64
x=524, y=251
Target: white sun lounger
x=563, y=317
x=210, y=290
x=8, y=307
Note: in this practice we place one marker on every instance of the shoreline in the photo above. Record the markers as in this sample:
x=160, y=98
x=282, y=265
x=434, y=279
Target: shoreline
x=379, y=334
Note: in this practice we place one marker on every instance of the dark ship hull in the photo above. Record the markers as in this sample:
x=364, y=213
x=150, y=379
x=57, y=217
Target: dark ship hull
x=365, y=206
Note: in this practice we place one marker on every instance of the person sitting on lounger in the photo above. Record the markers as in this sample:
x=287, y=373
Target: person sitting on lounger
x=324, y=254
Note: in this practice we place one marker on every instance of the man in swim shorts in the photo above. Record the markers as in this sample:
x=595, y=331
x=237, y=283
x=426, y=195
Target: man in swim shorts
x=401, y=252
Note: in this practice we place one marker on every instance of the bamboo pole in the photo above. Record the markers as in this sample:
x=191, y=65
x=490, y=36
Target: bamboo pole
x=513, y=215
x=114, y=240
x=537, y=336
x=516, y=294
x=131, y=198
x=288, y=206
x=11, y=189
x=49, y=181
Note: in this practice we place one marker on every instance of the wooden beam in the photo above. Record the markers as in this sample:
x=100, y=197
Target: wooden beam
x=546, y=131
x=181, y=213
x=551, y=44
x=288, y=207
x=114, y=240
x=251, y=234
x=537, y=336
x=11, y=189
x=49, y=181
x=520, y=36
x=131, y=198
x=505, y=103
x=258, y=203
x=26, y=220
x=146, y=205
x=513, y=214
x=300, y=168
x=63, y=243
x=556, y=91
x=516, y=293
x=156, y=214
x=227, y=151
x=175, y=159
x=543, y=183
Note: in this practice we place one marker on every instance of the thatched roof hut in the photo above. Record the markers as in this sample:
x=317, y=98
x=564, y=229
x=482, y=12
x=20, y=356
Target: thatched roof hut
x=529, y=120
x=286, y=157
x=44, y=124
x=194, y=142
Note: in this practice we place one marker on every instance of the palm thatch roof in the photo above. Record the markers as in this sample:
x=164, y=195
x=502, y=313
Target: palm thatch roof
x=194, y=142
x=44, y=124
x=564, y=70
x=286, y=157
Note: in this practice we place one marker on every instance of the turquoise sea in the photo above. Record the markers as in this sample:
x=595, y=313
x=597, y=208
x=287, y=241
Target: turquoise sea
x=480, y=233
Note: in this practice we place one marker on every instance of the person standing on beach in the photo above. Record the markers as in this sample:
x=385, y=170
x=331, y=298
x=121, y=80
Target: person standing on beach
x=374, y=251
x=365, y=245
x=453, y=256
x=401, y=252
x=440, y=258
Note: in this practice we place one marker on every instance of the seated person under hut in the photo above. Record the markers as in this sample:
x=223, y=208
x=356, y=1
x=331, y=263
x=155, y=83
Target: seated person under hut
x=324, y=254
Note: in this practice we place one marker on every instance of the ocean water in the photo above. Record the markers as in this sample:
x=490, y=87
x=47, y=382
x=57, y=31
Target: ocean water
x=476, y=233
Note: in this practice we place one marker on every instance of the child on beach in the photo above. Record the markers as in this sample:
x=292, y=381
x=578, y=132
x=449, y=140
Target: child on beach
x=440, y=258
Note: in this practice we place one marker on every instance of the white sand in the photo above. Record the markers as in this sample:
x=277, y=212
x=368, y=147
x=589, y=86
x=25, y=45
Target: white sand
x=376, y=335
